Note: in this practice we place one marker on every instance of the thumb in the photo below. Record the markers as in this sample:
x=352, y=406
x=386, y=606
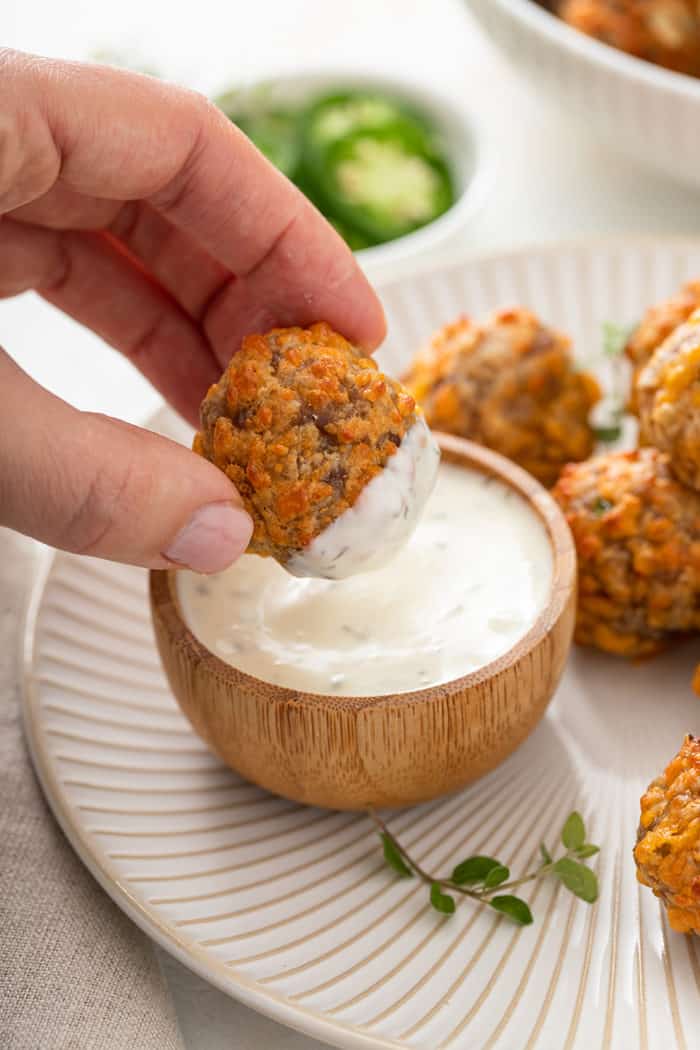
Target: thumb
x=93, y=485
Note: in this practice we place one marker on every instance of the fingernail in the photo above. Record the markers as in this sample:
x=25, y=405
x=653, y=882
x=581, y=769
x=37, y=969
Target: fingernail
x=212, y=539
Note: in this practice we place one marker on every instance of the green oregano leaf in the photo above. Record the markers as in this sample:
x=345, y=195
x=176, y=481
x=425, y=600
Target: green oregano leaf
x=515, y=908
x=587, y=850
x=474, y=869
x=545, y=854
x=577, y=878
x=496, y=876
x=394, y=859
x=615, y=337
x=573, y=834
x=442, y=902
x=607, y=434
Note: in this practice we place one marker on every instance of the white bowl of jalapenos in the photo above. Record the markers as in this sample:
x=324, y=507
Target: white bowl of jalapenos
x=395, y=168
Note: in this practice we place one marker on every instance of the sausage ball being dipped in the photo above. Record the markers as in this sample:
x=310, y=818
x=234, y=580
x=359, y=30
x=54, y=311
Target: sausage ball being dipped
x=509, y=384
x=665, y=32
x=332, y=458
x=637, y=535
x=656, y=326
x=667, y=853
x=668, y=400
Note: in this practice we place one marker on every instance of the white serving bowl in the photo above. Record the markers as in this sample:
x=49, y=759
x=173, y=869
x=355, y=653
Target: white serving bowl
x=465, y=146
x=650, y=113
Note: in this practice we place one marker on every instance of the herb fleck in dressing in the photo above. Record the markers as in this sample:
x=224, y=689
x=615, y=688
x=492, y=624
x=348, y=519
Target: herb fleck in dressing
x=469, y=583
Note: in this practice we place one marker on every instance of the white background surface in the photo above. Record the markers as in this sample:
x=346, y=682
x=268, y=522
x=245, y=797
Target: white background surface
x=552, y=182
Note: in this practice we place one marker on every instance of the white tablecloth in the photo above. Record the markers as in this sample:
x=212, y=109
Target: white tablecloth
x=552, y=182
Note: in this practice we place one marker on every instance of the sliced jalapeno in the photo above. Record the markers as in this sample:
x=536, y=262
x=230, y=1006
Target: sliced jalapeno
x=384, y=182
x=370, y=163
x=334, y=117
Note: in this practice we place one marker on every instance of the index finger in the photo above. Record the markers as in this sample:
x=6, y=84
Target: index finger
x=115, y=135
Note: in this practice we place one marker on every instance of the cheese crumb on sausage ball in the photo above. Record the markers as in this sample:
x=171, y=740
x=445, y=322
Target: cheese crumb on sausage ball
x=637, y=536
x=510, y=384
x=332, y=459
x=668, y=400
x=666, y=32
x=656, y=326
x=667, y=853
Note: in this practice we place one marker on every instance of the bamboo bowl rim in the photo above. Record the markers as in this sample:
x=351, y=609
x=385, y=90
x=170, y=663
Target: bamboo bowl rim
x=458, y=451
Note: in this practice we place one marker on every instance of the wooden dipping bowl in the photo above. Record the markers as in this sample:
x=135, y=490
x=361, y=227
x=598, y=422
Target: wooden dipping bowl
x=354, y=752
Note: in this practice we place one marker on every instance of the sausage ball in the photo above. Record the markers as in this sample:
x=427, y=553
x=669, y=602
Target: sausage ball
x=637, y=535
x=666, y=32
x=656, y=326
x=668, y=400
x=331, y=458
x=667, y=853
x=510, y=384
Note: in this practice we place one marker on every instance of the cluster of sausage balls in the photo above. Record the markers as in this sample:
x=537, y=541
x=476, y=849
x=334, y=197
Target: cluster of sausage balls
x=635, y=516
x=511, y=383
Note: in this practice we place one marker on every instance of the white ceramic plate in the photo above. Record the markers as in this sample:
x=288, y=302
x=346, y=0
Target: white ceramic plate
x=648, y=112
x=291, y=909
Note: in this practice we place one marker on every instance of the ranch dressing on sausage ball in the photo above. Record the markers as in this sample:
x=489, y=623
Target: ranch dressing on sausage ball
x=369, y=534
x=468, y=584
x=332, y=459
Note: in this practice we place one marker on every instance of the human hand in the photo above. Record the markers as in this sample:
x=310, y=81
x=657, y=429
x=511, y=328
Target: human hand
x=137, y=208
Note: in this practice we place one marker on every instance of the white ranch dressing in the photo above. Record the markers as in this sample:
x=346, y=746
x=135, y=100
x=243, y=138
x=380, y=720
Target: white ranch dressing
x=467, y=585
x=369, y=534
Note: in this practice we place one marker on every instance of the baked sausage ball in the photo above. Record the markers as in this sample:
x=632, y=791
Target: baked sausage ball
x=666, y=32
x=668, y=400
x=656, y=326
x=510, y=384
x=667, y=853
x=332, y=459
x=637, y=535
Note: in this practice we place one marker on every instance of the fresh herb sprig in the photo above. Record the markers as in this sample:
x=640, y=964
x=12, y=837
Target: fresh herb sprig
x=610, y=412
x=483, y=879
x=615, y=337
x=610, y=431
